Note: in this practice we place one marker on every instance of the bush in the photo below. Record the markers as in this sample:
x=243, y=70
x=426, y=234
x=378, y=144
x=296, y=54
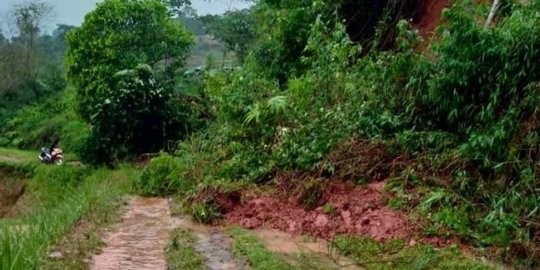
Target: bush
x=159, y=177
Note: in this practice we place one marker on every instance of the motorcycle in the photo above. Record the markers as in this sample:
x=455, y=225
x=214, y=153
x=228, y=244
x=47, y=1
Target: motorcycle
x=56, y=157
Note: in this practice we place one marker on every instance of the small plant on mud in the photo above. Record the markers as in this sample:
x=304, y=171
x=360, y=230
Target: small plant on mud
x=328, y=209
x=181, y=253
x=205, y=213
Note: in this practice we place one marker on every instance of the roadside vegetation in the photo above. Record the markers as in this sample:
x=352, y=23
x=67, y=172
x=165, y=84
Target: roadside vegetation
x=448, y=117
x=439, y=104
x=259, y=257
x=396, y=254
x=181, y=252
x=55, y=201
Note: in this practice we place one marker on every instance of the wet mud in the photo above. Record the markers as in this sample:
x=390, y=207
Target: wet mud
x=315, y=252
x=347, y=209
x=214, y=245
x=139, y=240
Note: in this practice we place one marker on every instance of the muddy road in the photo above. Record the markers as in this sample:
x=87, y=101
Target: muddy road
x=138, y=241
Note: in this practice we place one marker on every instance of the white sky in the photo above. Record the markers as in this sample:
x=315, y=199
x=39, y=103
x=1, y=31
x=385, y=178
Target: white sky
x=72, y=11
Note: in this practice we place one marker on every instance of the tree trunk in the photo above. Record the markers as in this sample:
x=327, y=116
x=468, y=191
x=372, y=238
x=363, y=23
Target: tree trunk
x=224, y=58
x=492, y=13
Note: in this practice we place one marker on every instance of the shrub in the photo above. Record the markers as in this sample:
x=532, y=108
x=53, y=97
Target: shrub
x=158, y=178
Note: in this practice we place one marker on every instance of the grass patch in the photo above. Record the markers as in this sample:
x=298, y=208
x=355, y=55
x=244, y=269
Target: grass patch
x=15, y=155
x=59, y=199
x=259, y=257
x=181, y=253
x=397, y=255
x=10, y=155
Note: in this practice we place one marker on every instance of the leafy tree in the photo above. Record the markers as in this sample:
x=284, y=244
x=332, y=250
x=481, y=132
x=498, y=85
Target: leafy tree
x=235, y=29
x=29, y=18
x=59, y=38
x=177, y=6
x=122, y=35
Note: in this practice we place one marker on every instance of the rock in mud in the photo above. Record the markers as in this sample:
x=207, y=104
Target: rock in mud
x=56, y=255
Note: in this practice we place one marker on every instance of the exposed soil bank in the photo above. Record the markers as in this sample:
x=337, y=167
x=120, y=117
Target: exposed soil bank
x=430, y=16
x=343, y=209
x=11, y=190
x=138, y=241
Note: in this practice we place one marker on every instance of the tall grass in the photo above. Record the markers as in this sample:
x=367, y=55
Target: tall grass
x=59, y=197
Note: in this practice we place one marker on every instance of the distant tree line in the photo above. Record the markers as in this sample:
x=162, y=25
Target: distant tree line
x=31, y=62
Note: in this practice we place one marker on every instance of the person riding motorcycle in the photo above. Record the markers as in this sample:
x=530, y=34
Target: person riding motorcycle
x=55, y=149
x=52, y=155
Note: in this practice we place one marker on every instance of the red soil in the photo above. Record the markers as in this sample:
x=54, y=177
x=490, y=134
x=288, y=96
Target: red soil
x=355, y=210
x=431, y=16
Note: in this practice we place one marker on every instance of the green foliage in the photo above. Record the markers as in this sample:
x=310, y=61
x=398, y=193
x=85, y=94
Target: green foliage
x=235, y=29
x=30, y=63
x=462, y=113
x=181, y=252
x=137, y=117
x=38, y=125
x=113, y=74
x=482, y=79
x=283, y=36
x=159, y=177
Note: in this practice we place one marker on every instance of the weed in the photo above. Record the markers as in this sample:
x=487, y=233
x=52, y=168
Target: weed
x=204, y=213
x=328, y=209
x=396, y=255
x=260, y=258
x=158, y=177
x=181, y=253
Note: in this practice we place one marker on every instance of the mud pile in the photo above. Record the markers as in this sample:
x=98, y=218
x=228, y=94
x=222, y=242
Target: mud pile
x=346, y=209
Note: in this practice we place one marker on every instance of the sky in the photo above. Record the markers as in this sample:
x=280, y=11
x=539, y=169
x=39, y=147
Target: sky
x=72, y=11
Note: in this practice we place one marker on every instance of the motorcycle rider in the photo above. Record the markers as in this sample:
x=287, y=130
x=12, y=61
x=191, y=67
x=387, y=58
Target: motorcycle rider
x=55, y=149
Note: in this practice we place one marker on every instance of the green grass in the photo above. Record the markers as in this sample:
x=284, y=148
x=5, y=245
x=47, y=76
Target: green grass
x=181, y=253
x=259, y=257
x=58, y=197
x=397, y=255
x=11, y=156
x=15, y=155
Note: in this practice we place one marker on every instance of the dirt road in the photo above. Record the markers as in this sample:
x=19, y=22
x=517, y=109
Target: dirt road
x=138, y=241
